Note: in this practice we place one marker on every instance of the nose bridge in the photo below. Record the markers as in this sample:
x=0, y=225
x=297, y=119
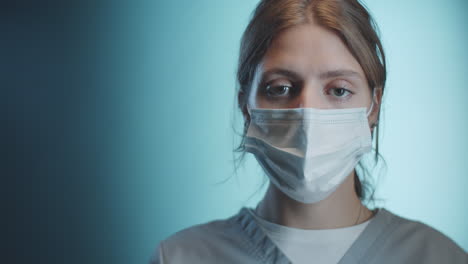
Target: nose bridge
x=311, y=96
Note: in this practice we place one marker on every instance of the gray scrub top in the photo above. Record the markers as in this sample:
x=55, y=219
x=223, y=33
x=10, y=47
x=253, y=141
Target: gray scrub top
x=387, y=239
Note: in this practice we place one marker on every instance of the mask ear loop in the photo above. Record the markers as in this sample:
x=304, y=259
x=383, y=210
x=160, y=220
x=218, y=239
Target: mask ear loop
x=248, y=109
x=372, y=103
x=372, y=108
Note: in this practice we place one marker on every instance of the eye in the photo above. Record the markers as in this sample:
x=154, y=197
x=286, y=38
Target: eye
x=278, y=90
x=340, y=92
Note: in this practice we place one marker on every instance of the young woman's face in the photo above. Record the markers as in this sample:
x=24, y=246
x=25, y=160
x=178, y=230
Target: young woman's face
x=308, y=66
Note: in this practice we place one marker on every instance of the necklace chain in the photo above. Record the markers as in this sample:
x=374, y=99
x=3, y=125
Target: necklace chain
x=359, y=215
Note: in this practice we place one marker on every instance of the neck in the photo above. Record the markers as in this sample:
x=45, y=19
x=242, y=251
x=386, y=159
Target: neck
x=341, y=209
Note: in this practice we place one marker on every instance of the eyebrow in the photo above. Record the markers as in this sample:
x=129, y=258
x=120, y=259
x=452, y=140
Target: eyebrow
x=323, y=75
x=339, y=73
x=279, y=71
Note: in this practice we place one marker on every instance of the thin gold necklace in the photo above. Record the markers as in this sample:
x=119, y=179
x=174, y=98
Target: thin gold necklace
x=359, y=215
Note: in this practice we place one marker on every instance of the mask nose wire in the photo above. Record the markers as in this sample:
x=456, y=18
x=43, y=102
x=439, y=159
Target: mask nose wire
x=367, y=114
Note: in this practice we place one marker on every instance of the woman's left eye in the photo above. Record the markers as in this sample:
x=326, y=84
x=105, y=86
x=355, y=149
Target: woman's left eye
x=340, y=92
x=278, y=90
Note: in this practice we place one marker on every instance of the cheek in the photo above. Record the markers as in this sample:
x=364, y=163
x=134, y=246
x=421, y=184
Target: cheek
x=362, y=99
x=262, y=102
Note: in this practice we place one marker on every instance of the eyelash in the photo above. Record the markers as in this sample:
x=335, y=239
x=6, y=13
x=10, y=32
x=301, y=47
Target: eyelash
x=291, y=89
x=347, y=91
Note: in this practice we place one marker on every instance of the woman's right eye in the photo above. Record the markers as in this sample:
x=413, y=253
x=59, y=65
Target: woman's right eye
x=278, y=90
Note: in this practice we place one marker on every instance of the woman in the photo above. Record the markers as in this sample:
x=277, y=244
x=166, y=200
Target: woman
x=311, y=79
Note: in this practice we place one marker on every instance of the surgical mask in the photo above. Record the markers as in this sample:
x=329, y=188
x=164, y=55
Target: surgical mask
x=307, y=153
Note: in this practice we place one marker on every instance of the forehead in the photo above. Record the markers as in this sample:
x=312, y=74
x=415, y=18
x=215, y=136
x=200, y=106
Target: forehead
x=309, y=49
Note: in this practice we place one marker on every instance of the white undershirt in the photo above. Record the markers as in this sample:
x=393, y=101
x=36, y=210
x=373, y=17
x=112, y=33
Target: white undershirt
x=304, y=246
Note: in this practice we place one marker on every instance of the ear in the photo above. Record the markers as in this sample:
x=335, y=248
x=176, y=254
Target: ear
x=241, y=101
x=374, y=115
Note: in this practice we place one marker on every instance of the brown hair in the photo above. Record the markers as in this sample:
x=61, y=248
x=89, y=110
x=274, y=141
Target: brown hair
x=349, y=19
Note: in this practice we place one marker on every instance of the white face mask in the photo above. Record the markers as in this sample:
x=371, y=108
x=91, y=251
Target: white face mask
x=307, y=153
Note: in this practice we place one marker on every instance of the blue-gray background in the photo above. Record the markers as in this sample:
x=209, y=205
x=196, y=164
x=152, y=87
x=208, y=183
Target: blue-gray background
x=120, y=123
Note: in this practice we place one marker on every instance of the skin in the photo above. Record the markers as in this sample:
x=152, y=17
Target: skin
x=309, y=66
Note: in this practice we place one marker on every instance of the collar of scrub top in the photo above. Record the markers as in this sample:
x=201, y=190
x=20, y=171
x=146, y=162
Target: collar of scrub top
x=259, y=245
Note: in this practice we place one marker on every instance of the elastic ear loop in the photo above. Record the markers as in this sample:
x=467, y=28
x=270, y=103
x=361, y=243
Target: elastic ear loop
x=372, y=103
x=371, y=108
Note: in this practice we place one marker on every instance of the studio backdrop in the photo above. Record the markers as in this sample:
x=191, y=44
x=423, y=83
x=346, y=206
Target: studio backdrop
x=153, y=123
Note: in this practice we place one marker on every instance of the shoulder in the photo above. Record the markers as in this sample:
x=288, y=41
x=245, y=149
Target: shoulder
x=422, y=241
x=206, y=233
x=219, y=239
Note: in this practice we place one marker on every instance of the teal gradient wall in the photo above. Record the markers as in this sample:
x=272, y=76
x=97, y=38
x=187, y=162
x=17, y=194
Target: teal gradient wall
x=174, y=65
